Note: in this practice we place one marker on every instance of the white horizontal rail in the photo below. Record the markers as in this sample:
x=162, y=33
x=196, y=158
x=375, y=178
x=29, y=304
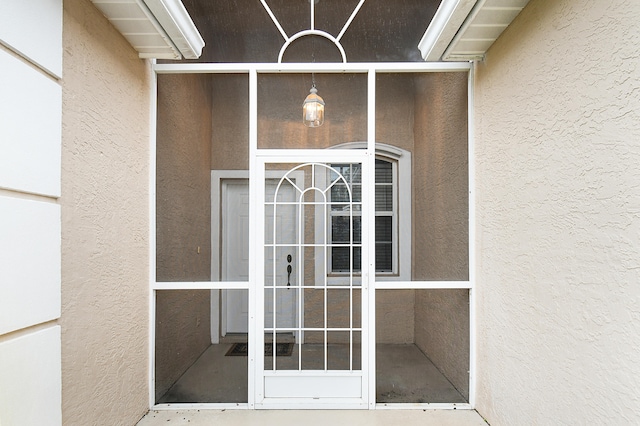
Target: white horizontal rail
x=326, y=67
x=427, y=285
x=423, y=406
x=340, y=286
x=295, y=245
x=244, y=285
x=301, y=156
x=313, y=373
x=378, y=406
x=312, y=403
x=314, y=329
x=317, y=203
x=201, y=285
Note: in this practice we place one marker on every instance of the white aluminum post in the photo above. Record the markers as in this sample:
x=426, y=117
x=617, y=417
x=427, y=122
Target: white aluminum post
x=256, y=363
x=152, y=237
x=368, y=279
x=472, y=240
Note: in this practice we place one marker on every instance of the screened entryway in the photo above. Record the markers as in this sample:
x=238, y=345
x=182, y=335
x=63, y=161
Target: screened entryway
x=327, y=360
x=323, y=265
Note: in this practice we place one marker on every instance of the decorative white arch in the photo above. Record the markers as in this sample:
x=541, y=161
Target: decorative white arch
x=312, y=31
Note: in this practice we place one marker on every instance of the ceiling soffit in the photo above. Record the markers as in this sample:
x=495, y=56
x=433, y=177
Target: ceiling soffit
x=465, y=29
x=155, y=28
x=238, y=31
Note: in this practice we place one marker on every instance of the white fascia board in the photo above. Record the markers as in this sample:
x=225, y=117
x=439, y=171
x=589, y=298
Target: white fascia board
x=446, y=22
x=493, y=12
x=176, y=22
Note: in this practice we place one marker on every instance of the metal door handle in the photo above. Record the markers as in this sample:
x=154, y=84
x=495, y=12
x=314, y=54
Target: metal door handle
x=289, y=269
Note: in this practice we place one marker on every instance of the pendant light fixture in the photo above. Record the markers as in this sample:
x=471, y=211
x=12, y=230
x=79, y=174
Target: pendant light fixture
x=313, y=108
x=313, y=105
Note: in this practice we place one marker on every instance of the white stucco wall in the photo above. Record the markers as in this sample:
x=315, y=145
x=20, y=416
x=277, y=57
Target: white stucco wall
x=558, y=214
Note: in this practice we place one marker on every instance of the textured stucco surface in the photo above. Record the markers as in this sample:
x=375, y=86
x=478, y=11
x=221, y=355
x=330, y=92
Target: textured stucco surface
x=440, y=222
x=182, y=333
x=395, y=110
x=105, y=222
x=558, y=214
x=395, y=316
x=183, y=186
x=440, y=178
x=442, y=333
x=230, y=121
x=183, y=222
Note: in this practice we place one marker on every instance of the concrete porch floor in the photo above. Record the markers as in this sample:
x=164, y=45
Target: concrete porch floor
x=404, y=375
x=313, y=417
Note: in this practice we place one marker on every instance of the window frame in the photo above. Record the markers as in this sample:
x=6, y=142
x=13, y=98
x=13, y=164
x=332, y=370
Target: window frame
x=401, y=222
x=393, y=213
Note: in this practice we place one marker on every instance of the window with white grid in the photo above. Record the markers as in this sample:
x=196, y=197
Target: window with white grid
x=385, y=221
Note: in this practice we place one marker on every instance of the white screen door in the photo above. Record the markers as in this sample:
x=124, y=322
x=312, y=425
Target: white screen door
x=327, y=364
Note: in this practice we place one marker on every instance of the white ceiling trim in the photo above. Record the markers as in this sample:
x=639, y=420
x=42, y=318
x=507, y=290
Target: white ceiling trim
x=159, y=29
x=465, y=29
x=445, y=24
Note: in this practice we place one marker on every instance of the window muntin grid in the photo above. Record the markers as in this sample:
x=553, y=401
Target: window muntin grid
x=385, y=220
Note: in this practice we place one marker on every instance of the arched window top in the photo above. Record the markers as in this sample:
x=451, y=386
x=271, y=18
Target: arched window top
x=382, y=149
x=393, y=215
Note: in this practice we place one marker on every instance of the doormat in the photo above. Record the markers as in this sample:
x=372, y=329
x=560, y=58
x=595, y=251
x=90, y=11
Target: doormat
x=282, y=349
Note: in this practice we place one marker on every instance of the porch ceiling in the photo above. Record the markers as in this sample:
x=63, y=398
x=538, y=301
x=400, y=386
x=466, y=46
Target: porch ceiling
x=240, y=31
x=155, y=28
x=465, y=29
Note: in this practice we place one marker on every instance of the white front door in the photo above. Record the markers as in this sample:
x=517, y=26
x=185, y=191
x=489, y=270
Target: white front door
x=235, y=258
x=328, y=364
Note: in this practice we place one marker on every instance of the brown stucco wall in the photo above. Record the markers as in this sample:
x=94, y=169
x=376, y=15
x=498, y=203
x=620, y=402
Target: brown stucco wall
x=105, y=222
x=182, y=333
x=442, y=333
x=395, y=316
x=395, y=110
x=395, y=115
x=440, y=222
x=183, y=185
x=440, y=178
x=558, y=202
x=183, y=222
x=230, y=122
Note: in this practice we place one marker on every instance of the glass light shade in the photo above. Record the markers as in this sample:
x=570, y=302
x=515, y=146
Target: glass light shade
x=313, y=109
